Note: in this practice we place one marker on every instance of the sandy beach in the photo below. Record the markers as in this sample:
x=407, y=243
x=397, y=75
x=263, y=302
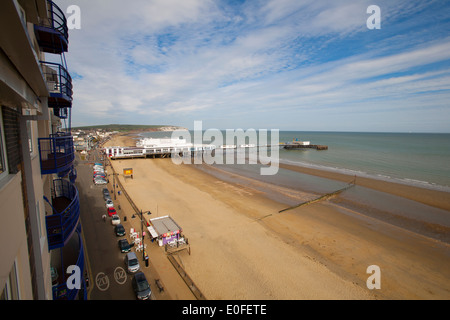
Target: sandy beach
x=242, y=248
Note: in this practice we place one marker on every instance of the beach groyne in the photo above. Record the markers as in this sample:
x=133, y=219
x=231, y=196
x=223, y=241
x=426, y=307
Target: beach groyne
x=321, y=198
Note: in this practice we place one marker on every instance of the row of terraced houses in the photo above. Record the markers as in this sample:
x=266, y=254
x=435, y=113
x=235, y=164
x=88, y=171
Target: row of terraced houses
x=40, y=231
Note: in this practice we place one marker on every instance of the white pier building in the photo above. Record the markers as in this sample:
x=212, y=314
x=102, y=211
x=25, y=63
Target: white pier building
x=151, y=147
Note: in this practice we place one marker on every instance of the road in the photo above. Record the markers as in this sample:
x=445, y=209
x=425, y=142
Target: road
x=108, y=279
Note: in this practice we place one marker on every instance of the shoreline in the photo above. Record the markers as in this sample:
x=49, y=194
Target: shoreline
x=434, y=198
x=243, y=249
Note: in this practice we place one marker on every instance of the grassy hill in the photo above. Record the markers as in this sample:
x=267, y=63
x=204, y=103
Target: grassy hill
x=126, y=127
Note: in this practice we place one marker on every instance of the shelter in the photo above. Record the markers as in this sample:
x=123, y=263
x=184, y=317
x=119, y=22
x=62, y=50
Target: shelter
x=164, y=229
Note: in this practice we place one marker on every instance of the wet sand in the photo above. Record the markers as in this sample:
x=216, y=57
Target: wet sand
x=434, y=198
x=242, y=248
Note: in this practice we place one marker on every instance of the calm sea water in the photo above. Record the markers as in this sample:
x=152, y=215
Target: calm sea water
x=420, y=159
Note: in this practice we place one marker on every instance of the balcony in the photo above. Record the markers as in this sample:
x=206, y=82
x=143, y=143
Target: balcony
x=51, y=32
x=56, y=153
x=59, y=84
x=71, y=254
x=61, y=113
x=62, y=223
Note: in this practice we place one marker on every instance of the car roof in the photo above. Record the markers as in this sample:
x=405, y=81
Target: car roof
x=140, y=276
x=131, y=255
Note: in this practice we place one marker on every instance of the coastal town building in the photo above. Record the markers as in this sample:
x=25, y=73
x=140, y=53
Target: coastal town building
x=39, y=202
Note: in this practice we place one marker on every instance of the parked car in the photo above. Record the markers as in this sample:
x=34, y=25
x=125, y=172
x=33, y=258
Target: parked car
x=141, y=286
x=109, y=203
x=132, y=263
x=115, y=219
x=119, y=230
x=111, y=211
x=124, y=245
x=100, y=181
x=106, y=194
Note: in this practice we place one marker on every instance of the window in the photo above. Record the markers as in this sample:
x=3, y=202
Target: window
x=11, y=290
x=3, y=164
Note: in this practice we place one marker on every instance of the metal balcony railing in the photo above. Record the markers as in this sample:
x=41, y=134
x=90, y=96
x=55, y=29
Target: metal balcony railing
x=64, y=219
x=52, y=32
x=59, y=84
x=62, y=113
x=56, y=153
x=60, y=289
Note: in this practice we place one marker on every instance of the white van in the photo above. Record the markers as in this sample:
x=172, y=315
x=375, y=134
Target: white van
x=132, y=262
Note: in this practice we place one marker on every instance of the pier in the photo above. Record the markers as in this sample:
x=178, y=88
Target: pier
x=291, y=146
x=165, y=148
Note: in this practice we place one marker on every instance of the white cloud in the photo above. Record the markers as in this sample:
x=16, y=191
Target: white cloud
x=169, y=61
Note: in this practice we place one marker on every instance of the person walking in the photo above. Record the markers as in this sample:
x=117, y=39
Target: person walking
x=104, y=217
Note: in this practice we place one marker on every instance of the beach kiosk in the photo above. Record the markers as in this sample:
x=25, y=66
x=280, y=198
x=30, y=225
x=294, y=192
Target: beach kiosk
x=164, y=229
x=168, y=233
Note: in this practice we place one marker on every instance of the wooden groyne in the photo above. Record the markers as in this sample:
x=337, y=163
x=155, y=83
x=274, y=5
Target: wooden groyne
x=321, y=198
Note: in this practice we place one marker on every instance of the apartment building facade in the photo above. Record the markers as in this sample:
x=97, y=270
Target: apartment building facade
x=40, y=231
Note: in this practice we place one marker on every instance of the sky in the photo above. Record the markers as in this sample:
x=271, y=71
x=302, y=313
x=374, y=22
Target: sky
x=306, y=65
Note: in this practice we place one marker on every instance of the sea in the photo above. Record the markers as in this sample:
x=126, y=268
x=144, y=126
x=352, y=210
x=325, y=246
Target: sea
x=416, y=159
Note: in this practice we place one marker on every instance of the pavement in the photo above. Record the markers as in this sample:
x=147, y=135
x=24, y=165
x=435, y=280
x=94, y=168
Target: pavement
x=159, y=267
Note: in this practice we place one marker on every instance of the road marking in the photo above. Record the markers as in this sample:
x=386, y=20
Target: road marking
x=102, y=281
x=120, y=275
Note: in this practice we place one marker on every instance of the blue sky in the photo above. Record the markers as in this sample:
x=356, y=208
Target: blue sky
x=281, y=64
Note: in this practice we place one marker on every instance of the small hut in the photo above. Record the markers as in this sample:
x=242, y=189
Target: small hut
x=165, y=230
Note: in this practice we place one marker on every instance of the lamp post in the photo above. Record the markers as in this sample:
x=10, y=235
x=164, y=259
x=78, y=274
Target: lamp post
x=114, y=183
x=142, y=232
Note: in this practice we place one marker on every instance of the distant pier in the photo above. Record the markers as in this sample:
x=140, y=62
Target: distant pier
x=296, y=144
x=301, y=146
